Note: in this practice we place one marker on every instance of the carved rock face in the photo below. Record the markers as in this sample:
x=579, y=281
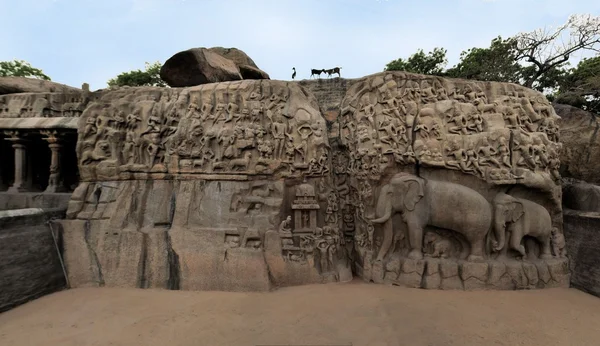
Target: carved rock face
x=203, y=130
x=581, y=144
x=244, y=185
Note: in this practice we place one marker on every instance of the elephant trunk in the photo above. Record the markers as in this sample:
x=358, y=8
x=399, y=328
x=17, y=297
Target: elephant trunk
x=499, y=232
x=384, y=209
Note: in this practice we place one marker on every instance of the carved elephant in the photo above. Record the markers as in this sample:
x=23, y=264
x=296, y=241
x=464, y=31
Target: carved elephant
x=440, y=204
x=521, y=217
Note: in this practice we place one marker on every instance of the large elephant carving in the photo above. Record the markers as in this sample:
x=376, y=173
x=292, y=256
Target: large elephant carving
x=521, y=217
x=435, y=203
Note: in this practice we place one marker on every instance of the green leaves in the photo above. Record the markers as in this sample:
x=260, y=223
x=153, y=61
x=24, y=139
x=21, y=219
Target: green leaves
x=20, y=68
x=432, y=63
x=496, y=63
x=149, y=77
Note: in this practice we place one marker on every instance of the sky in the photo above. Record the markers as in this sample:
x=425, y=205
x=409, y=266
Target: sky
x=79, y=41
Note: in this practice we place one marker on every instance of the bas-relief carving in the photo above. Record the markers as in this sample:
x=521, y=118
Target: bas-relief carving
x=43, y=105
x=503, y=135
x=248, y=128
x=346, y=200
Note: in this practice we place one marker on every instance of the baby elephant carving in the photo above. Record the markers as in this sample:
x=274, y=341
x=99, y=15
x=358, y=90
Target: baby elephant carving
x=435, y=246
x=521, y=217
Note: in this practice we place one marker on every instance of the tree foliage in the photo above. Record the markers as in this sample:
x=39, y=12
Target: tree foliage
x=432, y=63
x=497, y=63
x=538, y=59
x=547, y=51
x=20, y=68
x=581, y=86
x=149, y=77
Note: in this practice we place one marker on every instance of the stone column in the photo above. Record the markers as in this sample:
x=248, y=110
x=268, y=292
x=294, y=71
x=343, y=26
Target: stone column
x=21, y=183
x=55, y=183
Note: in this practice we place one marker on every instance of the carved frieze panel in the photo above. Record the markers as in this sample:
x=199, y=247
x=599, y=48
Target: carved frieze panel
x=239, y=128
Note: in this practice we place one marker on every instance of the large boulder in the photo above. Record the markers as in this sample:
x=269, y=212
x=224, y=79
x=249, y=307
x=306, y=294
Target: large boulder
x=247, y=67
x=14, y=85
x=209, y=65
x=198, y=66
x=581, y=143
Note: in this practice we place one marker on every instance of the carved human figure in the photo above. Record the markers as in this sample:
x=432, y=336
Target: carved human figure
x=504, y=151
x=487, y=153
x=286, y=225
x=473, y=160
x=422, y=203
x=520, y=217
x=457, y=157
x=475, y=122
x=278, y=130
x=460, y=123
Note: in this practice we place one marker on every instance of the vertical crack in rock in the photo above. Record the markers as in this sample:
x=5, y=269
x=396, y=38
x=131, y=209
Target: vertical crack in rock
x=413, y=139
x=142, y=275
x=87, y=229
x=173, y=258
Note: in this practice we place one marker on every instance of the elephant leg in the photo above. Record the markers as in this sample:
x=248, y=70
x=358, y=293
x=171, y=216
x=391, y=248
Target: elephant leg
x=415, y=236
x=545, y=241
x=476, y=250
x=388, y=235
x=515, y=243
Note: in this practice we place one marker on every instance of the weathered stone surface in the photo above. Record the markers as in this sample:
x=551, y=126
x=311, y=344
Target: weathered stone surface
x=30, y=266
x=247, y=185
x=581, y=143
x=248, y=68
x=474, y=275
x=14, y=85
x=579, y=195
x=198, y=66
x=582, y=232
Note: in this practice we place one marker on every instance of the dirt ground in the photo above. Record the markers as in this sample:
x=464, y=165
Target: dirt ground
x=335, y=314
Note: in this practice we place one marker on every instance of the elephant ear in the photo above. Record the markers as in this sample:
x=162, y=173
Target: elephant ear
x=413, y=194
x=517, y=211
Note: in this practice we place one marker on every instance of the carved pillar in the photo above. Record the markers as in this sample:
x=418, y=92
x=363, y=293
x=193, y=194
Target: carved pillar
x=21, y=182
x=55, y=183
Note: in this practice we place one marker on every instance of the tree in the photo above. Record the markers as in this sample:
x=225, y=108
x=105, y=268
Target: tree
x=432, y=63
x=581, y=86
x=549, y=50
x=149, y=77
x=20, y=68
x=497, y=63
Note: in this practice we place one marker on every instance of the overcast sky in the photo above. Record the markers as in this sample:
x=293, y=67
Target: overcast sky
x=77, y=41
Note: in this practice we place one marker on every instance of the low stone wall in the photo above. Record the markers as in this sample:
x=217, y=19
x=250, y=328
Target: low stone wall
x=22, y=200
x=29, y=263
x=582, y=233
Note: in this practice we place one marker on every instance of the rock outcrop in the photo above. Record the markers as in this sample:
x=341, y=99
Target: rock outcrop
x=14, y=85
x=198, y=66
x=406, y=179
x=581, y=143
x=248, y=68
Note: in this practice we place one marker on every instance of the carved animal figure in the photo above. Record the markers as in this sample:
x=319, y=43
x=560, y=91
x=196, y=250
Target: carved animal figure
x=315, y=72
x=425, y=202
x=558, y=243
x=435, y=246
x=521, y=217
x=242, y=163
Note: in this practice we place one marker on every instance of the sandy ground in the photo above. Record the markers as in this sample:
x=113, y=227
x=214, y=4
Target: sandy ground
x=336, y=314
